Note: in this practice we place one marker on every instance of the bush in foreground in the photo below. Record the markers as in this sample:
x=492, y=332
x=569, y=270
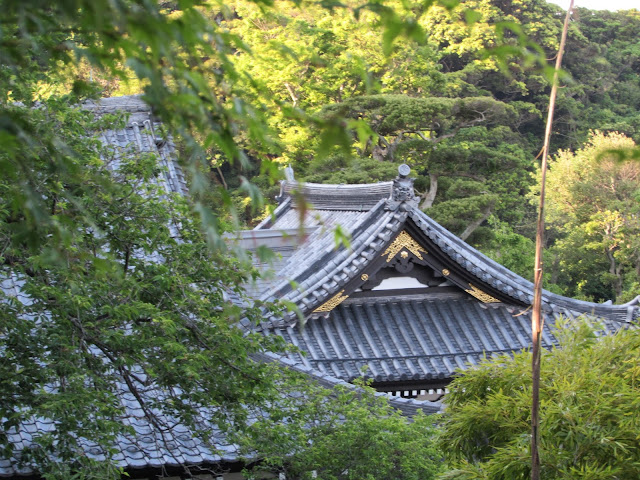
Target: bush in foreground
x=590, y=396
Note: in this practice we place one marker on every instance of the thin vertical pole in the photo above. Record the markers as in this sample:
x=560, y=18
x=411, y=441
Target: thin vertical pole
x=536, y=317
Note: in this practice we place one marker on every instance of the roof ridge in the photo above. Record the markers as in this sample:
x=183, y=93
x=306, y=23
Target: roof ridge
x=346, y=197
x=340, y=185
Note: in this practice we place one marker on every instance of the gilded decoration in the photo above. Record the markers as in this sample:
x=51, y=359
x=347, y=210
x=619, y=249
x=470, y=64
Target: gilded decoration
x=401, y=242
x=364, y=277
x=480, y=295
x=446, y=272
x=332, y=303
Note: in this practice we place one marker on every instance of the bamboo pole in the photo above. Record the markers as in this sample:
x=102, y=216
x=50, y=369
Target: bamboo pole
x=536, y=317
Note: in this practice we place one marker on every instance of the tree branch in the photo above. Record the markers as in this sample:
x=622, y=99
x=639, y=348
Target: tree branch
x=476, y=223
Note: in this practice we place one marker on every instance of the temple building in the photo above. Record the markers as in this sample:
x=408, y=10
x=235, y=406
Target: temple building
x=406, y=303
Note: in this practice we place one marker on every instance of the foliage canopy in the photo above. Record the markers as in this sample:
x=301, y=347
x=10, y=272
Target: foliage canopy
x=80, y=241
x=588, y=399
x=593, y=202
x=342, y=434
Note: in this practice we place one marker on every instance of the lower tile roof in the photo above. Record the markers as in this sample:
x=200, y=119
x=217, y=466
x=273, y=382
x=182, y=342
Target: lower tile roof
x=163, y=442
x=160, y=440
x=412, y=337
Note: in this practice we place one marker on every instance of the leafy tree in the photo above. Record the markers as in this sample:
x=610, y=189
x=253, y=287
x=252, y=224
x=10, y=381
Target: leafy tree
x=601, y=87
x=516, y=252
x=397, y=119
x=588, y=427
x=474, y=49
x=82, y=245
x=466, y=32
x=311, y=58
x=340, y=169
x=342, y=434
x=593, y=210
x=465, y=141
x=604, y=91
x=488, y=170
x=98, y=293
x=167, y=48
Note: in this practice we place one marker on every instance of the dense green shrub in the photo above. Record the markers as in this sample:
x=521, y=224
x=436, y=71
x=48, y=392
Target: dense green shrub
x=589, y=428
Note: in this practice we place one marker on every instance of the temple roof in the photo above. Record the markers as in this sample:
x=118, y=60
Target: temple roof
x=463, y=307
x=404, y=338
x=140, y=135
x=164, y=442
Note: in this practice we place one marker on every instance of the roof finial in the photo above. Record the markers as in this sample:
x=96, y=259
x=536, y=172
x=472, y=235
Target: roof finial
x=403, y=186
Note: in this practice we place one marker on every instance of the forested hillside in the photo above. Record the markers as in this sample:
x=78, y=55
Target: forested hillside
x=464, y=105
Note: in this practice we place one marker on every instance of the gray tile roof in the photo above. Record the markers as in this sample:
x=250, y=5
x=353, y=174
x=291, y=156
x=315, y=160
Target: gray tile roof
x=132, y=105
x=424, y=337
x=320, y=269
x=147, y=446
x=338, y=197
x=325, y=204
x=166, y=442
x=289, y=218
x=282, y=244
x=408, y=407
x=140, y=135
x=504, y=280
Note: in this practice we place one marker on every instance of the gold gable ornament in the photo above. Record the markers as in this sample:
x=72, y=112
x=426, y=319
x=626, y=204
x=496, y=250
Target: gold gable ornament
x=404, y=241
x=332, y=303
x=480, y=295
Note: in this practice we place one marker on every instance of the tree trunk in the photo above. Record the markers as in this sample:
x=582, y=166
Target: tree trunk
x=379, y=153
x=292, y=93
x=475, y=224
x=224, y=183
x=616, y=272
x=429, y=197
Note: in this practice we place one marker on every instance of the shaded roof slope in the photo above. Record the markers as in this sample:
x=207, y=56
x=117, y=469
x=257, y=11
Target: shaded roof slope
x=163, y=442
x=140, y=135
